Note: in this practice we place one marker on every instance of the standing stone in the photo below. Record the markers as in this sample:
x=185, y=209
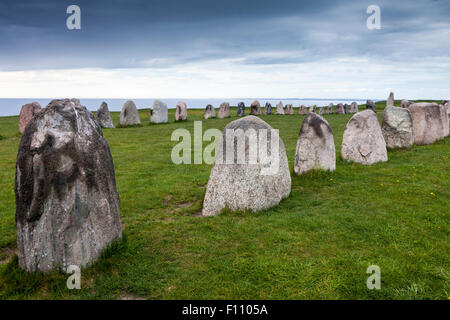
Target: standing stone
x=268, y=109
x=315, y=146
x=104, y=117
x=371, y=106
x=289, y=109
x=390, y=100
x=302, y=110
x=363, y=141
x=210, y=112
x=242, y=184
x=224, y=110
x=27, y=113
x=312, y=108
x=255, y=108
x=241, y=109
x=429, y=122
x=181, y=111
x=405, y=103
x=67, y=205
x=159, y=112
x=280, y=108
x=397, y=127
x=321, y=110
x=129, y=116
x=330, y=108
x=354, y=107
x=346, y=111
x=447, y=106
x=340, y=108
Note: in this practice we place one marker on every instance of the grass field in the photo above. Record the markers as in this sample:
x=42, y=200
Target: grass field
x=317, y=244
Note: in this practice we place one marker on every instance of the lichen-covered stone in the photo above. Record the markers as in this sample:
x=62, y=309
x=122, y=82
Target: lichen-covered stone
x=268, y=108
x=129, y=116
x=104, y=117
x=241, y=109
x=159, y=112
x=397, y=127
x=289, y=109
x=370, y=105
x=430, y=122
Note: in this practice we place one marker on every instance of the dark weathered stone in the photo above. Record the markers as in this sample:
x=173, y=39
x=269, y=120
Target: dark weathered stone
x=255, y=108
x=241, y=109
x=104, y=117
x=268, y=108
x=340, y=108
x=371, y=105
x=67, y=206
x=289, y=109
x=302, y=110
x=210, y=112
x=346, y=110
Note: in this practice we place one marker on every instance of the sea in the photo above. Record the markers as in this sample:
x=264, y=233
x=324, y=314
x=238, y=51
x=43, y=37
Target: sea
x=11, y=107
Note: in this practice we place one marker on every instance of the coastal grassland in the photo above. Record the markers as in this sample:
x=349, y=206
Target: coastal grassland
x=317, y=244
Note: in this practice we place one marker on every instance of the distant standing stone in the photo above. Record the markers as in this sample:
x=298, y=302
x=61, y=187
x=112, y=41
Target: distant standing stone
x=397, y=127
x=268, y=108
x=346, y=110
x=354, y=107
x=321, y=110
x=255, y=108
x=315, y=146
x=371, y=106
x=405, y=103
x=430, y=122
x=159, y=112
x=210, y=112
x=280, y=108
x=302, y=110
x=129, y=116
x=27, y=113
x=330, y=108
x=245, y=184
x=340, y=108
x=67, y=205
x=363, y=141
x=312, y=108
x=390, y=100
x=181, y=113
x=224, y=110
x=289, y=109
x=241, y=109
x=104, y=117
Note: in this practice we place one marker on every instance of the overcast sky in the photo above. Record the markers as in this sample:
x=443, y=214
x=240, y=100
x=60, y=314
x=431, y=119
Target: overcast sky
x=219, y=49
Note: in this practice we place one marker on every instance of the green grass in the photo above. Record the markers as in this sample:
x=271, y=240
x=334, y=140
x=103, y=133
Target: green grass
x=317, y=244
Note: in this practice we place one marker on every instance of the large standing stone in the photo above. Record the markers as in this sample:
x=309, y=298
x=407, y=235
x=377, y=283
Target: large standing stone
x=67, y=206
x=371, y=106
x=27, y=113
x=159, y=112
x=390, y=100
x=330, y=108
x=302, y=109
x=241, y=109
x=255, y=108
x=429, y=122
x=280, y=108
x=340, y=108
x=268, y=108
x=242, y=184
x=210, y=112
x=315, y=146
x=405, y=103
x=224, y=110
x=129, y=116
x=397, y=127
x=354, y=107
x=289, y=109
x=104, y=117
x=181, y=113
x=363, y=140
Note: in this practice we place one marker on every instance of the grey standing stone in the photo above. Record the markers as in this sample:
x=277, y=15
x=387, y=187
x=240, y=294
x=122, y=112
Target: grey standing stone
x=241, y=109
x=370, y=105
x=346, y=110
x=340, y=108
x=430, y=122
x=302, y=110
x=210, y=112
x=129, y=116
x=405, y=103
x=27, y=113
x=104, y=117
x=363, y=141
x=390, y=100
x=315, y=146
x=397, y=127
x=289, y=109
x=224, y=110
x=255, y=108
x=330, y=108
x=312, y=108
x=321, y=110
x=246, y=185
x=159, y=112
x=67, y=205
x=280, y=108
x=353, y=107
x=268, y=108
x=181, y=113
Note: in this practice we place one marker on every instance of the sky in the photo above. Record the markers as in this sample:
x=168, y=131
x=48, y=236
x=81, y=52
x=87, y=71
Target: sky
x=220, y=49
